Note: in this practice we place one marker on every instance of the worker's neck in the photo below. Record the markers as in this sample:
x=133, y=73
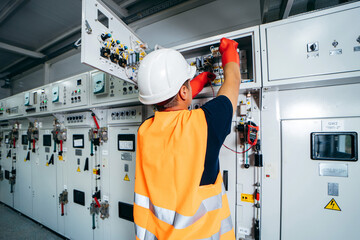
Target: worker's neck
x=178, y=107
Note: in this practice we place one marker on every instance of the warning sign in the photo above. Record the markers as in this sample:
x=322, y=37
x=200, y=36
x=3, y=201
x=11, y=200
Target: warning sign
x=126, y=178
x=332, y=205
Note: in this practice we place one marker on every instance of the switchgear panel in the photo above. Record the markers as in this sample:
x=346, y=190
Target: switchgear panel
x=70, y=93
x=36, y=101
x=108, y=89
x=108, y=44
x=2, y=108
x=126, y=115
x=14, y=105
x=308, y=48
x=76, y=119
x=123, y=124
x=205, y=56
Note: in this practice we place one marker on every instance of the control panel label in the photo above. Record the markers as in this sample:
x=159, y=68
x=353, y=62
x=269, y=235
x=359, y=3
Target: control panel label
x=333, y=169
x=332, y=125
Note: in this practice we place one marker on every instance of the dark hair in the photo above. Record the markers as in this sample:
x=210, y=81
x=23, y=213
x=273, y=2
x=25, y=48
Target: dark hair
x=171, y=102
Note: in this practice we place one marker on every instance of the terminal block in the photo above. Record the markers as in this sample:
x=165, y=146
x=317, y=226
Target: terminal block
x=33, y=135
x=14, y=135
x=63, y=200
x=104, y=210
x=59, y=136
x=98, y=135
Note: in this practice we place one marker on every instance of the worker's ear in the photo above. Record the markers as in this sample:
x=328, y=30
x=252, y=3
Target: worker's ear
x=184, y=93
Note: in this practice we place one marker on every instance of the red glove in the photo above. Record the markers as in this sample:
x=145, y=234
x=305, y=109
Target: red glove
x=198, y=83
x=228, y=51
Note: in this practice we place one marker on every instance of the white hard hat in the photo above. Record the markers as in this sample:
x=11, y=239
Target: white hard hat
x=161, y=75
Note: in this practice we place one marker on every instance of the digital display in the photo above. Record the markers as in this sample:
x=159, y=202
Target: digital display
x=78, y=141
x=341, y=146
x=126, y=142
x=47, y=140
x=24, y=139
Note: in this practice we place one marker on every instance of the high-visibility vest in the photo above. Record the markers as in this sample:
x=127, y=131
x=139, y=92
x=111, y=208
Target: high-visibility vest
x=169, y=201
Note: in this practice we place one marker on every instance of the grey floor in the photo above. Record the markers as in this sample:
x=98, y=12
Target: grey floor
x=14, y=226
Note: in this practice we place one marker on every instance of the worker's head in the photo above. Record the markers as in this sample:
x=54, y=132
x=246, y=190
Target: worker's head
x=164, y=79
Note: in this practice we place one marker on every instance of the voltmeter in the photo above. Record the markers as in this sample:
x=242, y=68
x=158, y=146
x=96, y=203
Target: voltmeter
x=99, y=83
x=55, y=94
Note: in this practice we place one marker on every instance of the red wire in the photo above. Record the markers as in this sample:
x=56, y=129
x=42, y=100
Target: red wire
x=212, y=88
x=236, y=151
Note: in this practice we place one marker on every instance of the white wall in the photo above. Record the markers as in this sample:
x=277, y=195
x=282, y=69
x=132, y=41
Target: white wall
x=4, y=92
x=214, y=18
x=29, y=81
x=67, y=67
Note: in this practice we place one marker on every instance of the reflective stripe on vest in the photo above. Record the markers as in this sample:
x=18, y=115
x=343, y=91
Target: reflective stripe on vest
x=144, y=234
x=177, y=220
x=226, y=226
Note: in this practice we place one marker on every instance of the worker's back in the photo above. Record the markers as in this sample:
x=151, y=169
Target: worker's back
x=169, y=201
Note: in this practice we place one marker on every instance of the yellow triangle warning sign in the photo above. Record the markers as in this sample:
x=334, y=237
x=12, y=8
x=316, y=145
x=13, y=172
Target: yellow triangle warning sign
x=78, y=169
x=126, y=178
x=332, y=205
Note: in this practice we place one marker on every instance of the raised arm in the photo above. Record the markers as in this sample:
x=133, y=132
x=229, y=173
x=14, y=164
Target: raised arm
x=230, y=63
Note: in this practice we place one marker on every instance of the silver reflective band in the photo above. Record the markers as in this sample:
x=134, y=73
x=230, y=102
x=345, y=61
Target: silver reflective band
x=176, y=219
x=226, y=226
x=144, y=234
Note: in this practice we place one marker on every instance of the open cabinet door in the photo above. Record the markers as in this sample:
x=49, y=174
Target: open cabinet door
x=108, y=44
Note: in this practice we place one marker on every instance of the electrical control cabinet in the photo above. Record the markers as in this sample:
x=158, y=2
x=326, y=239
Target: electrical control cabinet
x=44, y=174
x=70, y=93
x=107, y=43
x=204, y=54
x=23, y=194
x=291, y=173
x=2, y=108
x=312, y=49
x=79, y=180
x=14, y=106
x=110, y=90
x=123, y=124
x=8, y=152
x=37, y=101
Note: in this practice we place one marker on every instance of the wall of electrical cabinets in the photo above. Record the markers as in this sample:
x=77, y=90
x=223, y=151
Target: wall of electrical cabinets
x=67, y=152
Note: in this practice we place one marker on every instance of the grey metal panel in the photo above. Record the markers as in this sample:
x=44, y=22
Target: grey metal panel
x=324, y=102
x=337, y=101
x=304, y=191
x=194, y=24
x=286, y=61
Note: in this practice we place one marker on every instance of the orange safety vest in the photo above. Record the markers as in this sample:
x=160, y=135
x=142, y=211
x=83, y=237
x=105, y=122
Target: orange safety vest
x=169, y=201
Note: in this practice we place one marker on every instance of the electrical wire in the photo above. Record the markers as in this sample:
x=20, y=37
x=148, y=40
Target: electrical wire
x=236, y=151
